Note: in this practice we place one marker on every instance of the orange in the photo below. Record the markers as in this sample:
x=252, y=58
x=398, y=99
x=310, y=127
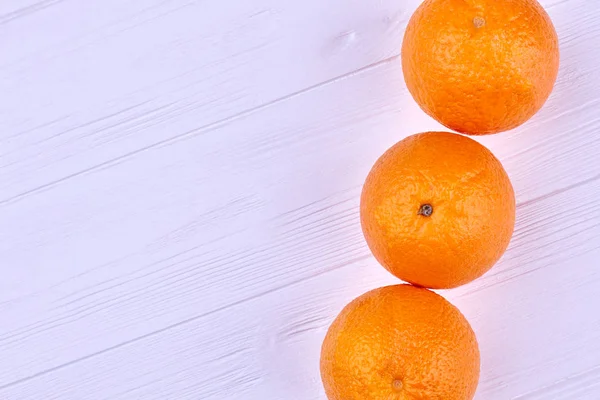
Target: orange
x=438, y=210
x=400, y=343
x=480, y=66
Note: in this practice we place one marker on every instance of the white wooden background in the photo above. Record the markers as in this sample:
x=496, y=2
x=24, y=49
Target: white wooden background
x=179, y=191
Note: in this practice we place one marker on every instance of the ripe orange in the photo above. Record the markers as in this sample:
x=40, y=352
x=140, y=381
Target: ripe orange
x=480, y=66
x=399, y=343
x=438, y=210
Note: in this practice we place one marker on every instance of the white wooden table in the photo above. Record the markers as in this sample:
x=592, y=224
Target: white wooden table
x=179, y=199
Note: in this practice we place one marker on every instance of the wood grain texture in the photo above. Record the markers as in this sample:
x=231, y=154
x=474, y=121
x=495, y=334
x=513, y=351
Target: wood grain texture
x=179, y=204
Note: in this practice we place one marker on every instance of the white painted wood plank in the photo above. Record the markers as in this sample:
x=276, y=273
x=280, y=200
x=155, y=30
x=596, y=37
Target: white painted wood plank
x=89, y=83
x=209, y=266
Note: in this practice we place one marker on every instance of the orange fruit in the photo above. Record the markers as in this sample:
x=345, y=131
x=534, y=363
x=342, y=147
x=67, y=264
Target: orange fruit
x=437, y=210
x=480, y=66
x=400, y=343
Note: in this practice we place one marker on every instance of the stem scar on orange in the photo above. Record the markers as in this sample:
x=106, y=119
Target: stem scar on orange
x=480, y=66
x=438, y=210
x=400, y=342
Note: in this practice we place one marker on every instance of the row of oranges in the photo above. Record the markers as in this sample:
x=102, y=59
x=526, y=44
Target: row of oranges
x=438, y=209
